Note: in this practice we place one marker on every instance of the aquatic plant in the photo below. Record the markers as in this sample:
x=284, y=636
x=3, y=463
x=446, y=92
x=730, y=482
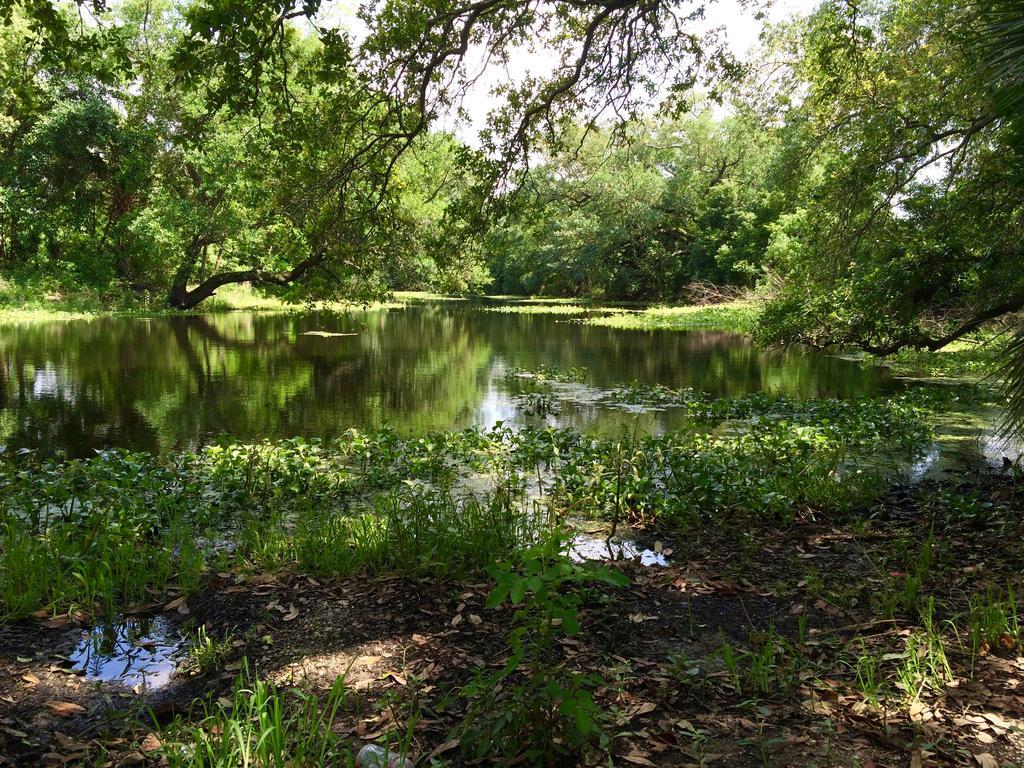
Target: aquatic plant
x=123, y=529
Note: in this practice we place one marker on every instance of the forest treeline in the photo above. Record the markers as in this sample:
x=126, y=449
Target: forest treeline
x=863, y=168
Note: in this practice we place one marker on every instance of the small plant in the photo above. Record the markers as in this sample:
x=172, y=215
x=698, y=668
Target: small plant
x=208, y=654
x=534, y=709
x=869, y=676
x=539, y=404
x=924, y=663
x=769, y=669
x=576, y=374
x=993, y=623
x=262, y=725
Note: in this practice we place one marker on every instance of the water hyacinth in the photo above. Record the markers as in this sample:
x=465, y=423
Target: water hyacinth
x=123, y=527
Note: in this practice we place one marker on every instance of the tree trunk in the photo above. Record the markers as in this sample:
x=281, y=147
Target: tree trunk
x=181, y=297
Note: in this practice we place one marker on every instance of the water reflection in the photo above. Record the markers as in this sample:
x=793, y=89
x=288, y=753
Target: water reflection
x=136, y=652
x=590, y=547
x=156, y=384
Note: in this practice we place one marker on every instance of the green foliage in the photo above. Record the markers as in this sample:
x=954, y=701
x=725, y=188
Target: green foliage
x=262, y=725
x=575, y=374
x=533, y=710
x=993, y=622
x=135, y=185
x=206, y=653
x=639, y=215
x=903, y=230
x=732, y=316
x=115, y=530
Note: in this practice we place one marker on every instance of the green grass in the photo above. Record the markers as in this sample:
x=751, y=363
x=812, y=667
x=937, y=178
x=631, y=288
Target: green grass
x=20, y=304
x=551, y=308
x=738, y=316
x=975, y=357
x=261, y=725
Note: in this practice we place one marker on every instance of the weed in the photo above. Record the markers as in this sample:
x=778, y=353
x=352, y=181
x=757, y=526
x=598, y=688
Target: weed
x=261, y=725
x=206, y=653
x=993, y=622
x=533, y=709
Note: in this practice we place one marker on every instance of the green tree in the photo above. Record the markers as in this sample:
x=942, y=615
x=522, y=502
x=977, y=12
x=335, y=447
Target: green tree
x=638, y=214
x=906, y=223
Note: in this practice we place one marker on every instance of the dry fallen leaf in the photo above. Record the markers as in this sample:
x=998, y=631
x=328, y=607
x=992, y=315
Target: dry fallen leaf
x=985, y=760
x=638, y=758
x=151, y=743
x=448, y=745
x=175, y=603
x=65, y=708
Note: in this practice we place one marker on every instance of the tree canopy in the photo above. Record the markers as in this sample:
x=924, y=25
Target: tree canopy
x=863, y=169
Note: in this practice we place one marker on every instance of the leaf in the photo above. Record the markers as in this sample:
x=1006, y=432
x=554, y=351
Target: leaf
x=638, y=758
x=446, y=747
x=30, y=679
x=570, y=624
x=496, y=596
x=986, y=760
x=175, y=603
x=517, y=592
x=643, y=708
x=151, y=743
x=65, y=708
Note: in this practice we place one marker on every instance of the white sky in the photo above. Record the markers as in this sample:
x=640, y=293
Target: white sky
x=741, y=31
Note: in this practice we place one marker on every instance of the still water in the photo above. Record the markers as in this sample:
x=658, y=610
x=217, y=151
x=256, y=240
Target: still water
x=160, y=383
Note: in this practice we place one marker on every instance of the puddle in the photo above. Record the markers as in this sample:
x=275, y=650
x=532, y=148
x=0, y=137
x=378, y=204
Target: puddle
x=137, y=652
x=587, y=547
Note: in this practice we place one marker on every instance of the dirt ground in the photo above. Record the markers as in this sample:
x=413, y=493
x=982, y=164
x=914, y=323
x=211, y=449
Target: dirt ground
x=407, y=646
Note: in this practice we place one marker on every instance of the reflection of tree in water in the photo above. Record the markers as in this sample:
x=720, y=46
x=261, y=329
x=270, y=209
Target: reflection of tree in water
x=714, y=361
x=135, y=651
x=159, y=383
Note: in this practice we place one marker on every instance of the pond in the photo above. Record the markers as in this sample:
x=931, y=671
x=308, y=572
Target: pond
x=157, y=384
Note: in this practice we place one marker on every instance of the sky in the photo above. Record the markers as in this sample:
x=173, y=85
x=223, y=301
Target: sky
x=740, y=27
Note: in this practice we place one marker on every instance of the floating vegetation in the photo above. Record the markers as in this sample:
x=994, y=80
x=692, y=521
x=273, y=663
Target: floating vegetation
x=119, y=529
x=575, y=374
x=540, y=404
x=739, y=316
x=551, y=309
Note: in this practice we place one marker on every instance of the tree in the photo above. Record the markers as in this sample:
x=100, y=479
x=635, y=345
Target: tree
x=638, y=213
x=907, y=222
x=326, y=123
